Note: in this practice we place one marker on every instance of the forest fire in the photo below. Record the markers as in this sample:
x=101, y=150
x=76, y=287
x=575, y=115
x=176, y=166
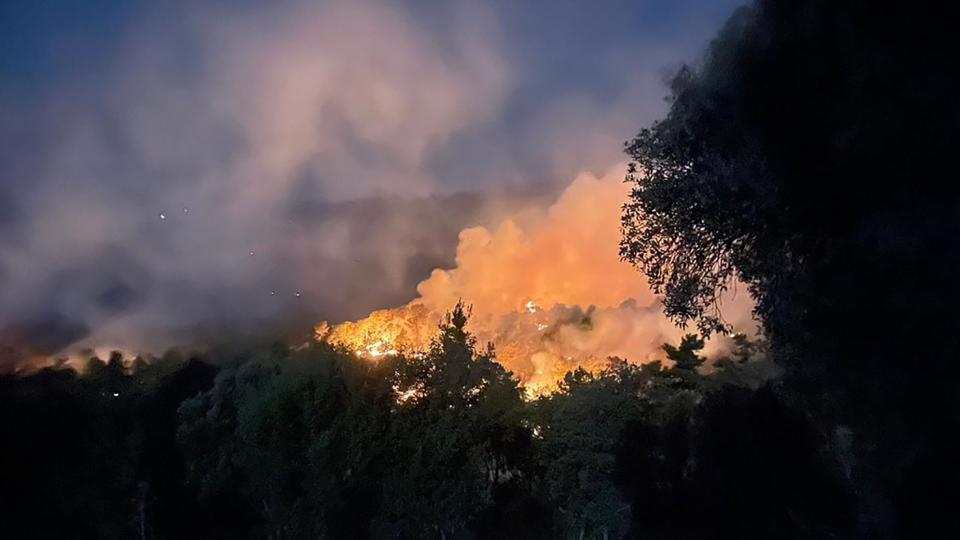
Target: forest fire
x=536, y=345
x=746, y=329
x=548, y=290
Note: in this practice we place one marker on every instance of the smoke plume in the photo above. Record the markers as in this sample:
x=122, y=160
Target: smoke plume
x=547, y=288
x=256, y=167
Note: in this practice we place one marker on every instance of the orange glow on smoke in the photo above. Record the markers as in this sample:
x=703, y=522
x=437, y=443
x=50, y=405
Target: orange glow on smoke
x=551, y=294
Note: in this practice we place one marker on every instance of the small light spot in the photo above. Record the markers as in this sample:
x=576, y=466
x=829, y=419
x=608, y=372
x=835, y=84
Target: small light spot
x=186, y=210
x=163, y=216
x=251, y=253
x=116, y=394
x=273, y=293
x=298, y=294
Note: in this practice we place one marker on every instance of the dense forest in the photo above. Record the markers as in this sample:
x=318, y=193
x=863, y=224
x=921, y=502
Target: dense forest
x=808, y=157
x=309, y=442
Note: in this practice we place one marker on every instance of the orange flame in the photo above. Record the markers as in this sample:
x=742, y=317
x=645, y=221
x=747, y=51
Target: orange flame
x=527, y=285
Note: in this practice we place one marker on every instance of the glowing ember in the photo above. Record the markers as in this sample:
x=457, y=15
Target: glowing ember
x=538, y=353
x=383, y=333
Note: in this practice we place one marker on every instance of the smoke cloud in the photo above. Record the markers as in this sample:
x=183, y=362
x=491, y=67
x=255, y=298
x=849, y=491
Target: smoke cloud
x=547, y=288
x=278, y=164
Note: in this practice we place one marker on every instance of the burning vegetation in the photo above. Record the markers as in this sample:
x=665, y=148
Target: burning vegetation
x=547, y=289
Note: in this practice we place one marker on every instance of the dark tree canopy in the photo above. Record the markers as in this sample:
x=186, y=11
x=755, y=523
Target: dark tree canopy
x=811, y=157
x=814, y=138
x=272, y=441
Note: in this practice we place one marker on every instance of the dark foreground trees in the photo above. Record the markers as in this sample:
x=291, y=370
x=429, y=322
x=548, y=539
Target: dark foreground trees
x=312, y=442
x=324, y=445
x=812, y=157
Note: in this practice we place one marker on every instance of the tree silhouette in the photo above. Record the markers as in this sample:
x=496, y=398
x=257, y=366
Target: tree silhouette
x=802, y=160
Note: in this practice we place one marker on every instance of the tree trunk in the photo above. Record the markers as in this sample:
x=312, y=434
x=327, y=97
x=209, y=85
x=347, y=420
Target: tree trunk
x=143, y=511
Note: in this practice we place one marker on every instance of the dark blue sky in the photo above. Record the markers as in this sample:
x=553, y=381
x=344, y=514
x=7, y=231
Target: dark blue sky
x=572, y=43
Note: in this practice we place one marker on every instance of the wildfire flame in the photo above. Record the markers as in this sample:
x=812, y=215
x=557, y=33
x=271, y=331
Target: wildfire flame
x=534, y=344
x=551, y=296
x=386, y=332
